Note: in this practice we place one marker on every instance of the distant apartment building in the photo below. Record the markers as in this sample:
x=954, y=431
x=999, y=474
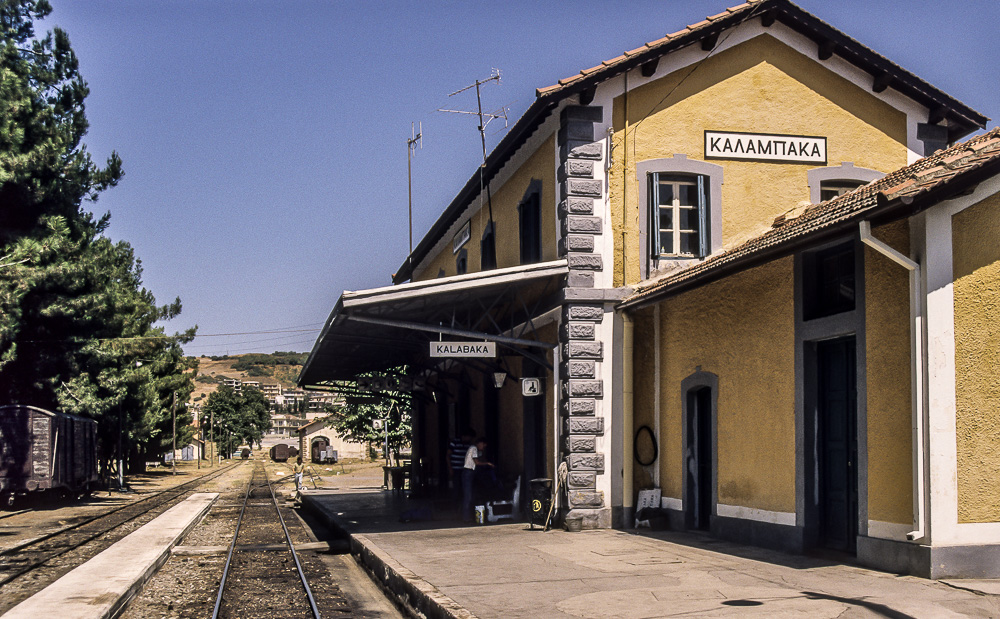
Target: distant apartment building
x=290, y=407
x=270, y=391
x=285, y=425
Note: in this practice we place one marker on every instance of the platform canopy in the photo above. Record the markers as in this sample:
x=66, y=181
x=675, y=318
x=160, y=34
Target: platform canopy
x=389, y=327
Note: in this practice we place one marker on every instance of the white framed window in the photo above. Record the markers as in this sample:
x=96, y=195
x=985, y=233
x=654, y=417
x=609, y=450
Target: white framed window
x=681, y=218
x=679, y=210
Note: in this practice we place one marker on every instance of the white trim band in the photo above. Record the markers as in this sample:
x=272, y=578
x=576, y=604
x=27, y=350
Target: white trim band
x=669, y=502
x=760, y=515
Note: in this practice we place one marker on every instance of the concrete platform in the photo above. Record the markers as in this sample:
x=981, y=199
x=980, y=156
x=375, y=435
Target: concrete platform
x=445, y=569
x=102, y=586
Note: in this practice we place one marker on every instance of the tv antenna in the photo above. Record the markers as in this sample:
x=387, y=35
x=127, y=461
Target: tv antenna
x=485, y=118
x=416, y=137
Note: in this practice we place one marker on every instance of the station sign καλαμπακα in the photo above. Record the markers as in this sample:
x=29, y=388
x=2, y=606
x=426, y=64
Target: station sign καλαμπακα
x=765, y=147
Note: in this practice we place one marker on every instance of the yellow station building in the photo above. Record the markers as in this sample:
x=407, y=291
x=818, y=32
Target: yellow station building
x=748, y=265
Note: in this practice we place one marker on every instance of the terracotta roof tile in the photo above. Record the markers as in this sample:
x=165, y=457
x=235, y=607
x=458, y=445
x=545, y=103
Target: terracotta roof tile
x=738, y=7
x=674, y=35
x=928, y=171
x=570, y=79
x=969, y=156
x=592, y=69
x=986, y=144
x=948, y=161
x=658, y=42
x=703, y=23
x=907, y=183
x=717, y=16
x=614, y=60
x=637, y=51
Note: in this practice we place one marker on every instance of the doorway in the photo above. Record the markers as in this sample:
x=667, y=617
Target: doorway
x=699, y=459
x=837, y=443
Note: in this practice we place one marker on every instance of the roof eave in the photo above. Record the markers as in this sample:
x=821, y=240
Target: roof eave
x=525, y=126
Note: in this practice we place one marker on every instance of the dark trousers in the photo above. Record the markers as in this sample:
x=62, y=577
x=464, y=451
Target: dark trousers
x=468, y=478
x=456, y=485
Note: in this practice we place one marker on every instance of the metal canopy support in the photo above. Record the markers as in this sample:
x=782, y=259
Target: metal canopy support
x=416, y=326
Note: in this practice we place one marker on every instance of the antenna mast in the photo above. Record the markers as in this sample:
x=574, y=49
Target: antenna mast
x=411, y=145
x=489, y=117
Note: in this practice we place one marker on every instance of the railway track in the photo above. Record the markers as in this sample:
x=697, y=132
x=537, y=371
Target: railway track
x=20, y=565
x=263, y=575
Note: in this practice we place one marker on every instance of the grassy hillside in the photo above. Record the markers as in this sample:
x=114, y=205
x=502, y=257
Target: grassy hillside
x=277, y=368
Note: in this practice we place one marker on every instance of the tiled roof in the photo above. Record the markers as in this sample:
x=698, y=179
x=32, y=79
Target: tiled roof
x=652, y=46
x=962, y=119
x=948, y=167
x=795, y=17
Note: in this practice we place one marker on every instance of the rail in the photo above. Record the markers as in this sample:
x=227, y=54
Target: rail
x=47, y=556
x=288, y=540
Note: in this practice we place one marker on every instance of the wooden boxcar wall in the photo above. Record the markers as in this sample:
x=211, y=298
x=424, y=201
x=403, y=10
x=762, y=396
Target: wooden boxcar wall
x=44, y=450
x=15, y=447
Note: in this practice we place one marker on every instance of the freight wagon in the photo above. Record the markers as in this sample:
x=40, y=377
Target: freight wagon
x=43, y=450
x=279, y=453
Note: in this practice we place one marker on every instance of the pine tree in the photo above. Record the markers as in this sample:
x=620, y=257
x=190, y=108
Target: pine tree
x=77, y=329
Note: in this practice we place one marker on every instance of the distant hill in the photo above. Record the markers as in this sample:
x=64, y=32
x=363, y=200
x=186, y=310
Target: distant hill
x=269, y=369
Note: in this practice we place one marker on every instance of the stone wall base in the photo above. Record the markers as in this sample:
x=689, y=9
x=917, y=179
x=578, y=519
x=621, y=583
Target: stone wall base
x=592, y=518
x=974, y=561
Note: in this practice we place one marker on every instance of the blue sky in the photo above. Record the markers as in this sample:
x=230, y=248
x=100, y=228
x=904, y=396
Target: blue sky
x=265, y=142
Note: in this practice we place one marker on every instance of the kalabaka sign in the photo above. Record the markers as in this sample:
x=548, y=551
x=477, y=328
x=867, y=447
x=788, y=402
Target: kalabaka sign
x=765, y=147
x=463, y=349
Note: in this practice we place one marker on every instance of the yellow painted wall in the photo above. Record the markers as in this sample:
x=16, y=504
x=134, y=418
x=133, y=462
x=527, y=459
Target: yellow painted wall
x=976, y=264
x=506, y=198
x=643, y=376
x=743, y=330
x=760, y=86
x=887, y=350
x=512, y=420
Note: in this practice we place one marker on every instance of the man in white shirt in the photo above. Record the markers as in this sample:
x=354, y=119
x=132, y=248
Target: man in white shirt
x=474, y=456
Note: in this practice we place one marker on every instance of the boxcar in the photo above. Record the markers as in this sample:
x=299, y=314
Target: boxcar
x=279, y=453
x=321, y=451
x=44, y=450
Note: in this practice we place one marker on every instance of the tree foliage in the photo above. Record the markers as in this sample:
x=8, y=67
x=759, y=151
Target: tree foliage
x=78, y=332
x=355, y=420
x=238, y=416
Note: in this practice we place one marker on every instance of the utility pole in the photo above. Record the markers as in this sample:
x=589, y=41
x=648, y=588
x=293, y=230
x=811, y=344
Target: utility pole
x=211, y=432
x=410, y=147
x=173, y=415
x=121, y=459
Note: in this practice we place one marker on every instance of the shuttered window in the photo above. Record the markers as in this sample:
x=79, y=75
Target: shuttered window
x=488, y=249
x=679, y=216
x=530, y=230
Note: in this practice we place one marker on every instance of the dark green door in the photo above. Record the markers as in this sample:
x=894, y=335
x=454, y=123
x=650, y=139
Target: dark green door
x=838, y=443
x=698, y=503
